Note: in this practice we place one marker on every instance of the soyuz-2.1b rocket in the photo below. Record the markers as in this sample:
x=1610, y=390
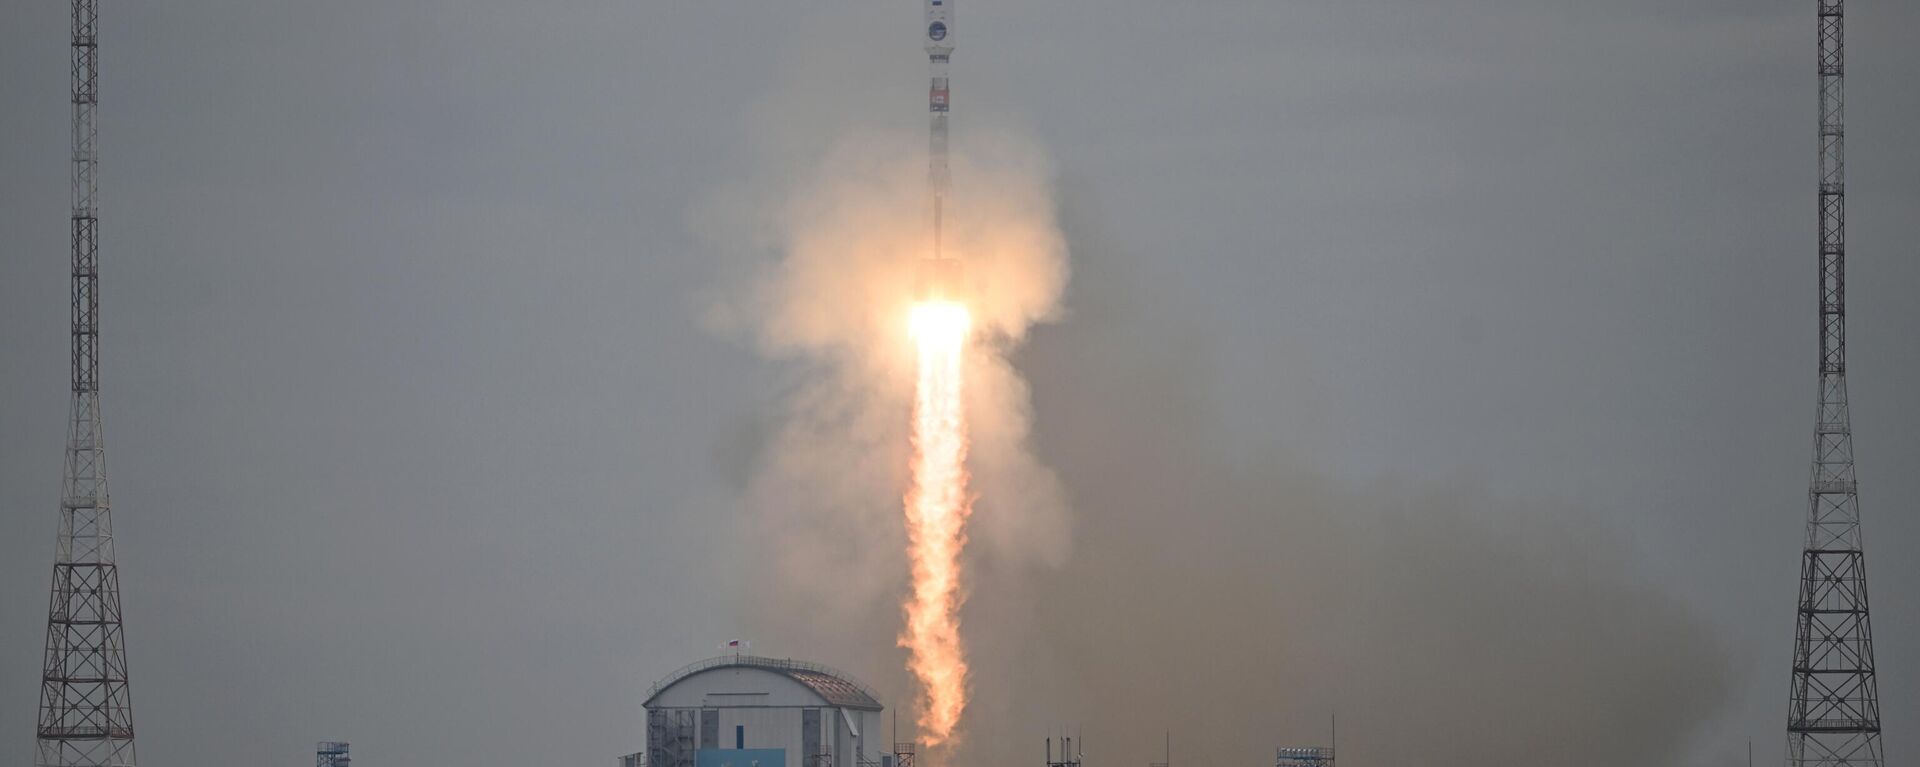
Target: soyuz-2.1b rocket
x=939, y=277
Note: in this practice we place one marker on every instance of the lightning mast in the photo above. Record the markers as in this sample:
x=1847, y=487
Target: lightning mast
x=86, y=717
x=1834, y=715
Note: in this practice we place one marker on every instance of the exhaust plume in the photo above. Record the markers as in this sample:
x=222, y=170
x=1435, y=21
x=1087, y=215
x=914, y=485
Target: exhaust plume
x=1239, y=598
x=1235, y=597
x=890, y=399
x=937, y=509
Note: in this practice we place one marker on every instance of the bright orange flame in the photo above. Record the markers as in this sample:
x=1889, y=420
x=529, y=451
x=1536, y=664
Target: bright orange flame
x=937, y=508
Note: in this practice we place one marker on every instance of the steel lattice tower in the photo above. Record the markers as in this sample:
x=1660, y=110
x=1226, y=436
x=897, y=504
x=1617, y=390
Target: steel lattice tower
x=332, y=753
x=1834, y=718
x=86, y=715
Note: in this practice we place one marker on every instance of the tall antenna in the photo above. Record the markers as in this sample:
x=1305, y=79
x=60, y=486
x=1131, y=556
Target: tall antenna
x=86, y=715
x=1834, y=715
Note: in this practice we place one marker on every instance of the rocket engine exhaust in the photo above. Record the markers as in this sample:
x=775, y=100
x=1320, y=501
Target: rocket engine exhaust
x=937, y=506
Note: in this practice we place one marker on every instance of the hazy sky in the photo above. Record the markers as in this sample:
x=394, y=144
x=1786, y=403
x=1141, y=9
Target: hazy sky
x=420, y=436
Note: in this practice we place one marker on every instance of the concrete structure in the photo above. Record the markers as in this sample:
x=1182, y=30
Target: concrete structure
x=748, y=711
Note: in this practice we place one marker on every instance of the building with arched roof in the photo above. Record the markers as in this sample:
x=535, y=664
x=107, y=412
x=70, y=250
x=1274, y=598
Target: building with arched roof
x=749, y=711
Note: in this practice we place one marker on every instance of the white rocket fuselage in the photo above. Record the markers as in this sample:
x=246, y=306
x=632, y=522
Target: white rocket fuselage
x=939, y=51
x=939, y=42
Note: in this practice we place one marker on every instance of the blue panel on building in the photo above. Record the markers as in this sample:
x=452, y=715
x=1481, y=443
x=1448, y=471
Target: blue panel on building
x=741, y=757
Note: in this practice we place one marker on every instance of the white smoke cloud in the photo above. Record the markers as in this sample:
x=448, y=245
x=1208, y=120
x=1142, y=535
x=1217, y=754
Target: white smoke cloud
x=1235, y=599
x=830, y=306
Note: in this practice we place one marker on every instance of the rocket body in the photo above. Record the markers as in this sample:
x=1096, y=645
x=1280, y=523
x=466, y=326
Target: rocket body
x=940, y=276
x=939, y=42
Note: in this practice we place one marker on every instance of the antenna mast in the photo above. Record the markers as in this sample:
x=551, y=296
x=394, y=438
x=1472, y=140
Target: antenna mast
x=1834, y=715
x=86, y=717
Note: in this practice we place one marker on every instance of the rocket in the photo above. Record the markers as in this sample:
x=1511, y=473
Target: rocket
x=939, y=274
x=939, y=52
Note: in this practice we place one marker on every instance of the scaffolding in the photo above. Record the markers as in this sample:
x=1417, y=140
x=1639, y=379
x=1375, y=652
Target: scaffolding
x=670, y=738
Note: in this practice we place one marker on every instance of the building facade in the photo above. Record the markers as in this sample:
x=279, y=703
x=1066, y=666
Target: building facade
x=748, y=711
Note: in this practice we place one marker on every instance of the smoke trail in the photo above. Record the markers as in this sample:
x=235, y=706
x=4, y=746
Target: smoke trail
x=937, y=509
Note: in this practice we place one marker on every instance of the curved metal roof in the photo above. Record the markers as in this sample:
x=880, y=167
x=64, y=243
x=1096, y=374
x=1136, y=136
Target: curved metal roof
x=835, y=687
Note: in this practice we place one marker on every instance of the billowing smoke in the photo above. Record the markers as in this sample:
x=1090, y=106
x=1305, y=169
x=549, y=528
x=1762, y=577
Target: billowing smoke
x=1237, y=600
x=1131, y=571
x=1242, y=600
x=827, y=490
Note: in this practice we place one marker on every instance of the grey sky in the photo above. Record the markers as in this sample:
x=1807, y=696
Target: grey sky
x=417, y=438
